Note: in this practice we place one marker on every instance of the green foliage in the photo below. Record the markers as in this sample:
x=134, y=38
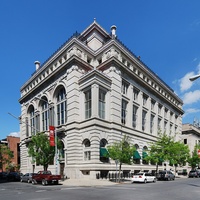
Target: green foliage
x=5, y=155
x=40, y=150
x=166, y=149
x=179, y=154
x=121, y=151
x=194, y=159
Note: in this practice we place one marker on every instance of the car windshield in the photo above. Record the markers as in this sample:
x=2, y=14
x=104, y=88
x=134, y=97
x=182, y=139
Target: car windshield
x=162, y=172
x=139, y=174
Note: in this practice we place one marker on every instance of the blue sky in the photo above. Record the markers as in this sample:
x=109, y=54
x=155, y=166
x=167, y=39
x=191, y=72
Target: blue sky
x=166, y=35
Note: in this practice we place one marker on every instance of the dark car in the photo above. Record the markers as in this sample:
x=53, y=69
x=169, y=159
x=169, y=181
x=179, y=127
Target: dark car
x=3, y=175
x=165, y=175
x=27, y=177
x=13, y=176
x=194, y=174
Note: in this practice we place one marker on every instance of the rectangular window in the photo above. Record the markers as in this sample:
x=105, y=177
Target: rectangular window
x=88, y=104
x=159, y=109
x=145, y=98
x=144, y=114
x=159, y=123
x=152, y=104
x=87, y=155
x=135, y=108
x=61, y=112
x=27, y=127
x=152, y=123
x=171, y=128
x=165, y=126
x=185, y=141
x=102, y=104
x=125, y=86
x=171, y=116
x=37, y=122
x=123, y=112
x=166, y=111
x=32, y=122
x=45, y=119
x=135, y=94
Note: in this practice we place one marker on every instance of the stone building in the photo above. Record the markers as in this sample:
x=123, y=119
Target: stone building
x=190, y=135
x=94, y=90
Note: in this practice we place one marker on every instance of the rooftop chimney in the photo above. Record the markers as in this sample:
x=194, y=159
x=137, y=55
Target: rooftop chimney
x=37, y=65
x=113, y=31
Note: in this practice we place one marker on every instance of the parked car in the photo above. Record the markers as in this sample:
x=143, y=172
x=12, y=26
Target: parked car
x=165, y=175
x=45, y=177
x=13, y=176
x=3, y=175
x=194, y=174
x=143, y=177
x=27, y=177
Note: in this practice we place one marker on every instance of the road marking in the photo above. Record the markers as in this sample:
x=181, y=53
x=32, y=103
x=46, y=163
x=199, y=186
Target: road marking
x=41, y=191
x=71, y=188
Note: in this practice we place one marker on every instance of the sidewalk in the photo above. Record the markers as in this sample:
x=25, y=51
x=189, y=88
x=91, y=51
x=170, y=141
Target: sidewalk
x=96, y=182
x=87, y=182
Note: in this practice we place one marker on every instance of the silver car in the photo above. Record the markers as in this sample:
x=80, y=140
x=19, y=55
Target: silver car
x=27, y=177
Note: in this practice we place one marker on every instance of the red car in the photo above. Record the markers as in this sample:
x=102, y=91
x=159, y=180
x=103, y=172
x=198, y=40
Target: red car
x=45, y=177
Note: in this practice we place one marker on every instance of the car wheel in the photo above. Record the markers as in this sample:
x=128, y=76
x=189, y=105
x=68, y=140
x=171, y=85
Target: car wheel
x=145, y=180
x=21, y=180
x=28, y=181
x=55, y=182
x=43, y=182
x=34, y=182
x=154, y=180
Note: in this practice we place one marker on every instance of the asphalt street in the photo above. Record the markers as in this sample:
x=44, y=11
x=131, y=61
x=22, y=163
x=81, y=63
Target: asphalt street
x=180, y=189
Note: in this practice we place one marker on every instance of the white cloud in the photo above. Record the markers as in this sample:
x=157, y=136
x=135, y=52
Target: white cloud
x=14, y=134
x=185, y=83
x=191, y=97
x=190, y=111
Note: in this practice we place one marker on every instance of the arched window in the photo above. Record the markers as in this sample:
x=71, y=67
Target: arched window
x=61, y=107
x=31, y=113
x=136, y=155
x=45, y=114
x=103, y=151
x=86, y=149
x=144, y=155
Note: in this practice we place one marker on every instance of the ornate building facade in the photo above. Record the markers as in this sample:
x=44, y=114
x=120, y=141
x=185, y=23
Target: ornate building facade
x=94, y=90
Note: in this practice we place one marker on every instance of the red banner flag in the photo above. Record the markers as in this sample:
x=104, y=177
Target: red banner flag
x=198, y=153
x=51, y=135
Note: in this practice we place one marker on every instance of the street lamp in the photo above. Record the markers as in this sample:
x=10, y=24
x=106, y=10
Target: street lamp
x=56, y=146
x=194, y=77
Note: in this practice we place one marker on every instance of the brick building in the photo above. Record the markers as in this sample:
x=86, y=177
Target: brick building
x=13, y=144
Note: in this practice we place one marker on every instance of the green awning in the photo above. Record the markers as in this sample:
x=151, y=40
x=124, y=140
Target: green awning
x=144, y=154
x=136, y=155
x=103, y=152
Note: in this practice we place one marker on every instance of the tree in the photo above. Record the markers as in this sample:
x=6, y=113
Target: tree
x=194, y=159
x=122, y=152
x=166, y=149
x=40, y=150
x=179, y=154
x=5, y=155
